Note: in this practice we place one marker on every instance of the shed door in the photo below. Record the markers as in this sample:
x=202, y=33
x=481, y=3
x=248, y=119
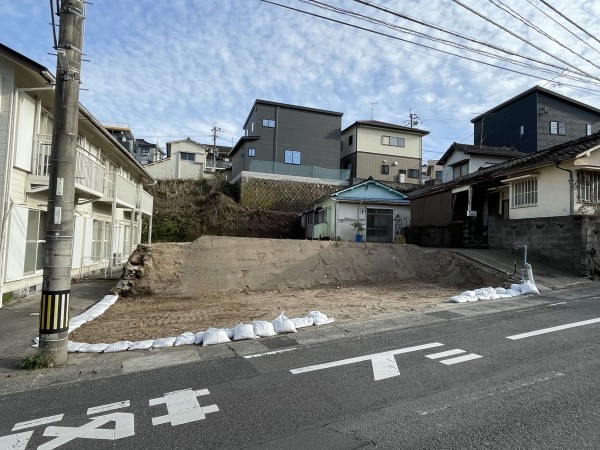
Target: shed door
x=380, y=225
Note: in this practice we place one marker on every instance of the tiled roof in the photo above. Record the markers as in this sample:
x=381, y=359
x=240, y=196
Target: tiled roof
x=479, y=150
x=551, y=155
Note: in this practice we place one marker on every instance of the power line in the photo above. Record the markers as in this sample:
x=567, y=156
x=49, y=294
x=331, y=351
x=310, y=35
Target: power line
x=569, y=20
x=422, y=45
x=458, y=2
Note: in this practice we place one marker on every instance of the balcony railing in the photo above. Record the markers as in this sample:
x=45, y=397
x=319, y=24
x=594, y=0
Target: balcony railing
x=221, y=165
x=146, y=202
x=89, y=170
x=118, y=187
x=299, y=170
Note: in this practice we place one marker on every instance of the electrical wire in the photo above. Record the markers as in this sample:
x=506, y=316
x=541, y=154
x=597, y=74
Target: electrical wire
x=569, y=20
x=421, y=45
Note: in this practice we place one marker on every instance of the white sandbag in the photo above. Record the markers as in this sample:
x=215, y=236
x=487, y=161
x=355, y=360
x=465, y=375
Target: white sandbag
x=483, y=297
x=262, y=328
x=186, y=338
x=92, y=348
x=505, y=295
x=198, y=337
x=513, y=293
x=319, y=318
x=142, y=345
x=471, y=298
x=243, y=331
x=301, y=322
x=73, y=347
x=468, y=294
x=229, y=332
x=494, y=296
x=163, y=342
x=515, y=287
x=458, y=299
x=214, y=336
x=500, y=290
x=120, y=346
x=481, y=291
x=529, y=288
x=283, y=325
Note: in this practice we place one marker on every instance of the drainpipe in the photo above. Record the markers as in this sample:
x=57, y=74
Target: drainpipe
x=571, y=193
x=7, y=203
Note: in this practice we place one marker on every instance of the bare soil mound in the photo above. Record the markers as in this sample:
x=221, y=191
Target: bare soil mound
x=221, y=281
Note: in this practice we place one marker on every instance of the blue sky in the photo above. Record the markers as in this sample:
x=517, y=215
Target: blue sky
x=172, y=69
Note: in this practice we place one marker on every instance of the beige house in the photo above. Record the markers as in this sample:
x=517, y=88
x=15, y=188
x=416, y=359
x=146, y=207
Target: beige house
x=386, y=152
x=109, y=189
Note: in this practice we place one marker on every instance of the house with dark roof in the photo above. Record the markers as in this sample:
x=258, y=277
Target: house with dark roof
x=282, y=140
x=549, y=200
x=535, y=119
x=386, y=152
x=462, y=159
x=368, y=211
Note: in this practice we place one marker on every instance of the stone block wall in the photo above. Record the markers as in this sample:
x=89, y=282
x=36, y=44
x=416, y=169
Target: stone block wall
x=561, y=242
x=282, y=195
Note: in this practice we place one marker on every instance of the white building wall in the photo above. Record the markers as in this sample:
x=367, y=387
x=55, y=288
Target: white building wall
x=369, y=140
x=553, y=196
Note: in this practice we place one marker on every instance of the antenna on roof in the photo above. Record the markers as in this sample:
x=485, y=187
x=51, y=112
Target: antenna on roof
x=372, y=107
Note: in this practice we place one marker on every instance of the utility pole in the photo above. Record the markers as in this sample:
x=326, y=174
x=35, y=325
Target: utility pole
x=56, y=285
x=214, y=130
x=413, y=119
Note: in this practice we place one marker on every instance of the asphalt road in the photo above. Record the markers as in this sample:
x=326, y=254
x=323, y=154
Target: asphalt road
x=464, y=382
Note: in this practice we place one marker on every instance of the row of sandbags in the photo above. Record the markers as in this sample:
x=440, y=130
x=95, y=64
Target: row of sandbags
x=255, y=330
x=490, y=293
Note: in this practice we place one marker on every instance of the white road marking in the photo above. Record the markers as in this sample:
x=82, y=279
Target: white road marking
x=456, y=351
x=182, y=407
x=37, y=422
x=124, y=427
x=17, y=441
x=553, y=329
x=109, y=407
x=275, y=352
x=556, y=304
x=384, y=364
x=460, y=359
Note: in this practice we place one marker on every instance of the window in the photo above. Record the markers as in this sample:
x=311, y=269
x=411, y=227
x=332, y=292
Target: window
x=268, y=123
x=34, y=244
x=559, y=128
x=100, y=240
x=522, y=132
x=588, y=129
x=385, y=169
x=321, y=216
x=413, y=173
x=460, y=170
x=252, y=127
x=393, y=141
x=251, y=152
x=524, y=193
x=292, y=157
x=350, y=139
x=187, y=156
x=145, y=150
x=438, y=174
x=588, y=186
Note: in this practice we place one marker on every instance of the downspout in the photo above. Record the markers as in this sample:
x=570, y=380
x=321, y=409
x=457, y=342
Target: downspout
x=7, y=203
x=571, y=192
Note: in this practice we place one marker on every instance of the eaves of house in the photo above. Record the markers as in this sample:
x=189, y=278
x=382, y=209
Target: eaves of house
x=550, y=156
x=387, y=126
x=542, y=91
x=469, y=149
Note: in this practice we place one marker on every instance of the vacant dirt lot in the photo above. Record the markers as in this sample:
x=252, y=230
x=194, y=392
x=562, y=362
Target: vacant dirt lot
x=224, y=281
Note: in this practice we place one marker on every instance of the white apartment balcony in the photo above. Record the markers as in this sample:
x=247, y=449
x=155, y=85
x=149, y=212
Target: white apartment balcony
x=146, y=202
x=120, y=189
x=89, y=170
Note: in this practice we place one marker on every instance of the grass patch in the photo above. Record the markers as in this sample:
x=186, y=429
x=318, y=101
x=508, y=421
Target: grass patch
x=38, y=360
x=7, y=297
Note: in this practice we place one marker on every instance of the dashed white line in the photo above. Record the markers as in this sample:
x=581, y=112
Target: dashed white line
x=275, y=352
x=460, y=359
x=109, y=407
x=553, y=329
x=456, y=351
x=37, y=422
